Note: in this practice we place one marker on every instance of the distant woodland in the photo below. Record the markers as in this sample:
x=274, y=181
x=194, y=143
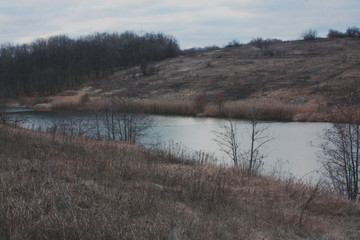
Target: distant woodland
x=48, y=66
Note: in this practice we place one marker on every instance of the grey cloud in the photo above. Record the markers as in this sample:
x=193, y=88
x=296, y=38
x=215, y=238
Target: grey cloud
x=193, y=23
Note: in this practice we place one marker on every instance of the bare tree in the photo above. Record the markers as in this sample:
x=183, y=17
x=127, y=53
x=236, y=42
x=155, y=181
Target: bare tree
x=341, y=153
x=233, y=43
x=258, y=138
x=71, y=123
x=227, y=141
x=109, y=119
x=4, y=116
x=310, y=34
x=263, y=44
x=124, y=123
x=335, y=34
x=353, y=32
x=97, y=118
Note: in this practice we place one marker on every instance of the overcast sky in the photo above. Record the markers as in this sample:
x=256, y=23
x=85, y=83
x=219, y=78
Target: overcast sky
x=194, y=23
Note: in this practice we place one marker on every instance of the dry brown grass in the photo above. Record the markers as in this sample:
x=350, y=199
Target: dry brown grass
x=64, y=102
x=57, y=187
x=241, y=109
x=70, y=99
x=270, y=110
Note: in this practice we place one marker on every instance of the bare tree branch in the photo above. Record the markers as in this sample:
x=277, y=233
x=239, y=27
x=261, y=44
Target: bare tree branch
x=227, y=140
x=341, y=153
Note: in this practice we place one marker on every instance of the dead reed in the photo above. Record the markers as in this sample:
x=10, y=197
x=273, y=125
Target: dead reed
x=269, y=111
x=242, y=109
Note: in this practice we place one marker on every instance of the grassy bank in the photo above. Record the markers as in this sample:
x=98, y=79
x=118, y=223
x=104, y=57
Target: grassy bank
x=56, y=187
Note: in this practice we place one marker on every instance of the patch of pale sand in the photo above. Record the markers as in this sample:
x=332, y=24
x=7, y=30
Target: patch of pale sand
x=68, y=93
x=85, y=90
x=58, y=101
x=113, y=92
x=96, y=90
x=43, y=106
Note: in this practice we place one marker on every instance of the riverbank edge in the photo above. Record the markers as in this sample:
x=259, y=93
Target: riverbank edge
x=241, y=109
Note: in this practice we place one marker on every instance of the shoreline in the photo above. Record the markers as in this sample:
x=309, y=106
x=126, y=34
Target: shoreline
x=240, y=109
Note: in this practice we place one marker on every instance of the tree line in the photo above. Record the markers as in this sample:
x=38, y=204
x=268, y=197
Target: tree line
x=47, y=66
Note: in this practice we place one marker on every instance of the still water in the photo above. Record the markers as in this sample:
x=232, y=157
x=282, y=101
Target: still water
x=293, y=150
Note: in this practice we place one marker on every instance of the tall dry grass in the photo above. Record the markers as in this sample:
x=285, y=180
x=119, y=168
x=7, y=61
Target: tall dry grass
x=58, y=187
x=204, y=106
x=165, y=107
x=63, y=102
x=271, y=111
x=243, y=109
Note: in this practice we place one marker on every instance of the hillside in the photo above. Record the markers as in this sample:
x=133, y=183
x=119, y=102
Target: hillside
x=54, y=187
x=319, y=71
x=309, y=77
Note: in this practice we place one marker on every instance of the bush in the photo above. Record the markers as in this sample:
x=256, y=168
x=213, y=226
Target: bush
x=311, y=34
x=353, y=32
x=200, y=49
x=260, y=43
x=264, y=44
x=336, y=34
x=234, y=43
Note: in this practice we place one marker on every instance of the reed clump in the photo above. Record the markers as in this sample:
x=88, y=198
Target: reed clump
x=269, y=111
x=165, y=107
x=54, y=186
x=242, y=109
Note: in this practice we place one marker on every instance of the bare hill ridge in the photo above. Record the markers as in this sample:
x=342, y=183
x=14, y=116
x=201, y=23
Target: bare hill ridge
x=321, y=71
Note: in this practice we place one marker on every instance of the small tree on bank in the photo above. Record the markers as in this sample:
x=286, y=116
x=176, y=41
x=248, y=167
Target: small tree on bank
x=258, y=138
x=123, y=122
x=228, y=142
x=4, y=119
x=341, y=154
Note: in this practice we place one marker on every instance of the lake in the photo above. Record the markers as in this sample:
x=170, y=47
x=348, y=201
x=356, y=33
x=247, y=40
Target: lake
x=292, y=151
